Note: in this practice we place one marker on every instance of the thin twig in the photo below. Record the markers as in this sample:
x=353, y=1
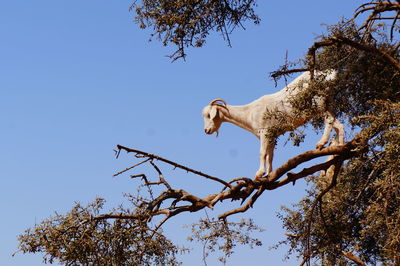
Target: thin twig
x=160, y=175
x=276, y=74
x=133, y=166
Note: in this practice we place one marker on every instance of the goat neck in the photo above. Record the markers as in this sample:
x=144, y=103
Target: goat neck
x=237, y=115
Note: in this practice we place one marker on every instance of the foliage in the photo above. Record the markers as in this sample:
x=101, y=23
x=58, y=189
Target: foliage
x=223, y=235
x=78, y=238
x=358, y=219
x=361, y=214
x=187, y=23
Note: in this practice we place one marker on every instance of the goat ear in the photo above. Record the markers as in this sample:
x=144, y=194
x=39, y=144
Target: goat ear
x=213, y=112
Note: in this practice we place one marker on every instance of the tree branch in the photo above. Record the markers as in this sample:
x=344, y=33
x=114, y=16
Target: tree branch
x=278, y=73
x=176, y=165
x=343, y=40
x=131, y=167
x=310, y=155
x=236, y=189
x=353, y=258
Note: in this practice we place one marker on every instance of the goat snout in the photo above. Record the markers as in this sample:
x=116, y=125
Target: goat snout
x=207, y=131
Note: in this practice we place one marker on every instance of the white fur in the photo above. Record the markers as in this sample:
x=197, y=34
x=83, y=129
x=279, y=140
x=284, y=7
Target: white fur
x=253, y=117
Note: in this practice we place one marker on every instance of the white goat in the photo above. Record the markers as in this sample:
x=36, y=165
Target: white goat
x=253, y=117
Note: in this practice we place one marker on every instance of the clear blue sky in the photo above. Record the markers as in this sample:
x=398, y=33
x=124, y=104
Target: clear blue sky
x=79, y=77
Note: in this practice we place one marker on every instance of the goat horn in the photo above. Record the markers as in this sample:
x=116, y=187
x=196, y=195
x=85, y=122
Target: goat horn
x=217, y=100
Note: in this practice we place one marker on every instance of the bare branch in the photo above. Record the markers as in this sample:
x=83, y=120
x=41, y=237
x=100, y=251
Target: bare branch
x=160, y=175
x=353, y=257
x=393, y=25
x=305, y=259
x=131, y=167
x=176, y=165
x=310, y=155
x=292, y=177
x=278, y=73
x=248, y=205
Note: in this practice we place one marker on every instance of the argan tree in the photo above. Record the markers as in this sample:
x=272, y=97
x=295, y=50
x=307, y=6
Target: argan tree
x=351, y=212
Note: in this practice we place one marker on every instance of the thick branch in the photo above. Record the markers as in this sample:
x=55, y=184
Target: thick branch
x=292, y=177
x=342, y=152
x=310, y=155
x=377, y=8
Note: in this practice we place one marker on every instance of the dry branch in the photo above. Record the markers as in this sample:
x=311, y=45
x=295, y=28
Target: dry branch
x=244, y=189
x=353, y=257
x=176, y=165
x=278, y=73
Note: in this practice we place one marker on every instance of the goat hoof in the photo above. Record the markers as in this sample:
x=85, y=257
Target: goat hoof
x=259, y=174
x=319, y=146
